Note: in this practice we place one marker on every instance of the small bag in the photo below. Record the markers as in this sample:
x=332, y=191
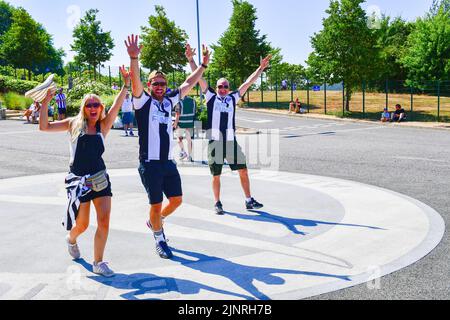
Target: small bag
x=98, y=182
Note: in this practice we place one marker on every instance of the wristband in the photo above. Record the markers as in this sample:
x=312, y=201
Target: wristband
x=134, y=58
x=204, y=66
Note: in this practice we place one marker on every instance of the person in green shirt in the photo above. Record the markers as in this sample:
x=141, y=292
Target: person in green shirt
x=185, y=123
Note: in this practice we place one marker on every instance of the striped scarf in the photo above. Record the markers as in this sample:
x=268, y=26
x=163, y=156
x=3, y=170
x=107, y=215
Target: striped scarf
x=76, y=188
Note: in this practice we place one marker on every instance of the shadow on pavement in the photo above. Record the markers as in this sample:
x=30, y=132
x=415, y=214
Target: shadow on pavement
x=291, y=223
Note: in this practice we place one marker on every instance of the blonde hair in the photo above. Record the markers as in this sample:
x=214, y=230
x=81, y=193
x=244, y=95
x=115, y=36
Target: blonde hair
x=78, y=125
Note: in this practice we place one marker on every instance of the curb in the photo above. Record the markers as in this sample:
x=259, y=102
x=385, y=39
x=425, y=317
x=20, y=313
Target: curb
x=431, y=125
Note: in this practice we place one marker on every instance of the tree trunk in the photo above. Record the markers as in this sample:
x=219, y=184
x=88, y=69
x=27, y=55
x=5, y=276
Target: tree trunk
x=348, y=97
x=29, y=75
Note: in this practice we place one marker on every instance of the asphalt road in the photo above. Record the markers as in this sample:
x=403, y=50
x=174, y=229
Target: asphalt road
x=411, y=161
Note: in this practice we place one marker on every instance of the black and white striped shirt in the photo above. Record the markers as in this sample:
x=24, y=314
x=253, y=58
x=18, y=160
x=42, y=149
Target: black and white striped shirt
x=155, y=126
x=221, y=115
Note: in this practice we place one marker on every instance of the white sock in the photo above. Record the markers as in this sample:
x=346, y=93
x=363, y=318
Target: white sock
x=249, y=200
x=159, y=236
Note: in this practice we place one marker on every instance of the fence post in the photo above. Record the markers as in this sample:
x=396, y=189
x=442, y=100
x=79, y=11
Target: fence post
x=343, y=98
x=262, y=90
x=109, y=71
x=292, y=88
x=412, y=101
x=307, y=93
x=439, y=99
x=276, y=88
x=364, y=98
x=387, y=93
x=325, y=96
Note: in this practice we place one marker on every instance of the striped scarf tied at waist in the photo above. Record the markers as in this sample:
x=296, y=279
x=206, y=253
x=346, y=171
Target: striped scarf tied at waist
x=76, y=188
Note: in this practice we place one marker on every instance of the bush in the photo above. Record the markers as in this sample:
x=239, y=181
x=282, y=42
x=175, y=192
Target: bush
x=8, y=84
x=82, y=87
x=14, y=101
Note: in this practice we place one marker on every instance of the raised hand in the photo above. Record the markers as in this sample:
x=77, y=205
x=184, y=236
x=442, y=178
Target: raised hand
x=126, y=75
x=48, y=97
x=190, y=53
x=206, y=55
x=133, y=47
x=265, y=63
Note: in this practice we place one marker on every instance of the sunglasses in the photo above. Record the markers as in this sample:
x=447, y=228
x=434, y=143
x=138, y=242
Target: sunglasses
x=95, y=105
x=159, y=84
x=223, y=87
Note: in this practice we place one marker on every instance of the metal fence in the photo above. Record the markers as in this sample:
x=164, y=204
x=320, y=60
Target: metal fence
x=426, y=101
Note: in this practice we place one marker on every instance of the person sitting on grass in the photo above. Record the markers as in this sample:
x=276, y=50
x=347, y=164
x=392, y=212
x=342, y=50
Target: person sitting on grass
x=399, y=115
x=386, y=115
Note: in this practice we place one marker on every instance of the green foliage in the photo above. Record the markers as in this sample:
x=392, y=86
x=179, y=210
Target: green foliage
x=428, y=54
x=81, y=87
x=26, y=44
x=241, y=47
x=8, y=84
x=345, y=49
x=92, y=45
x=15, y=101
x=391, y=44
x=164, y=43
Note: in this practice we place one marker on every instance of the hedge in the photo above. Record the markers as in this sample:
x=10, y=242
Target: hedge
x=8, y=84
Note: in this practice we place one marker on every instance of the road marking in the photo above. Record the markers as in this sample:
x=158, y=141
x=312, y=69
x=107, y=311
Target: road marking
x=255, y=121
x=421, y=159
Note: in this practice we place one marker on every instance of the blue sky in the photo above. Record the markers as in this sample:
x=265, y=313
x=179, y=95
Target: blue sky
x=289, y=24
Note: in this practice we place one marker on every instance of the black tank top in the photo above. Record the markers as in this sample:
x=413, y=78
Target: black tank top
x=88, y=155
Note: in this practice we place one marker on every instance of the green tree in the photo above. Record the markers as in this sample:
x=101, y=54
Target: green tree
x=164, y=43
x=25, y=43
x=240, y=48
x=428, y=53
x=344, y=51
x=6, y=13
x=92, y=45
x=392, y=39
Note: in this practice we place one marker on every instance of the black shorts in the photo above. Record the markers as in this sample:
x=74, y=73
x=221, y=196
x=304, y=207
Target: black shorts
x=218, y=151
x=95, y=195
x=160, y=178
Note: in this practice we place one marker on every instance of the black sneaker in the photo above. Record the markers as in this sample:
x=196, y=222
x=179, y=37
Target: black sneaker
x=163, y=250
x=219, y=209
x=253, y=204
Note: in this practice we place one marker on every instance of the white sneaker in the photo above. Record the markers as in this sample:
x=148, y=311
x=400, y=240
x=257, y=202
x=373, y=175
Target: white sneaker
x=74, y=251
x=102, y=269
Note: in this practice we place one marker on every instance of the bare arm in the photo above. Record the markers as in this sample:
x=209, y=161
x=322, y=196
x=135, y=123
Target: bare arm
x=190, y=53
x=108, y=122
x=252, y=79
x=195, y=77
x=58, y=126
x=133, y=51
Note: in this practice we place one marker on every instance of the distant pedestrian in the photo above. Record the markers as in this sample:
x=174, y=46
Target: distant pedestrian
x=399, y=115
x=62, y=104
x=185, y=126
x=127, y=116
x=386, y=115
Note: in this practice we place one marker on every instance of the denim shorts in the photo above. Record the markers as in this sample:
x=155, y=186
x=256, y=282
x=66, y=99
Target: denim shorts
x=160, y=178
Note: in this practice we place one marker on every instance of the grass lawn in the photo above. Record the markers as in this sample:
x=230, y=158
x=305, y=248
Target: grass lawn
x=424, y=107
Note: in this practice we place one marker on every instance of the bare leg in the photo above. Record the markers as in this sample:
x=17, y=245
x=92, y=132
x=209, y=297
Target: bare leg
x=174, y=204
x=103, y=208
x=189, y=142
x=216, y=188
x=155, y=216
x=82, y=222
x=245, y=182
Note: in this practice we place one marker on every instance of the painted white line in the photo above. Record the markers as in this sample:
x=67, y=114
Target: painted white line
x=421, y=159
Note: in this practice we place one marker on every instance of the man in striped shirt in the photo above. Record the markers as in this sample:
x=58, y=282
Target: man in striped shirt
x=158, y=171
x=221, y=131
x=61, y=103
